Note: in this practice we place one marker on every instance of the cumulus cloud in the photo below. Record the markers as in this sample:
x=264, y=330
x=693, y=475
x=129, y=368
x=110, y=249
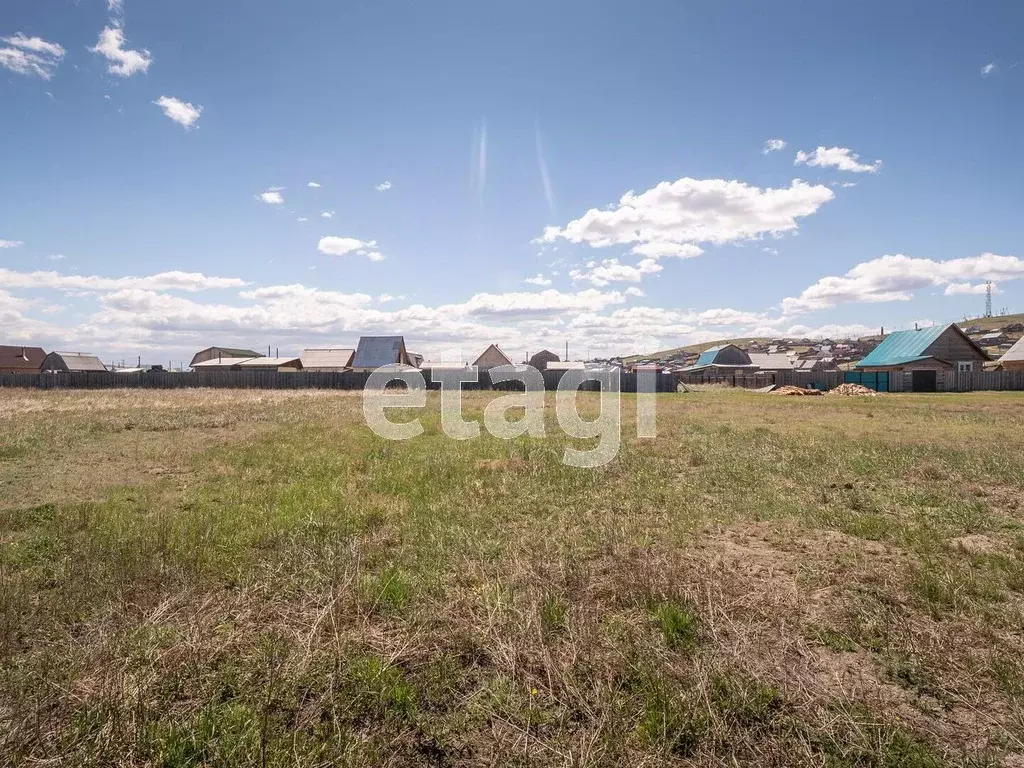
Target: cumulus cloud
x=303, y=218
x=327, y=215
x=383, y=186
x=340, y=246
x=897, y=277
x=773, y=145
x=539, y=279
x=840, y=158
x=689, y=211
x=313, y=185
x=181, y=112
x=969, y=289
x=612, y=271
x=164, y=281
x=123, y=62
x=11, y=243
x=272, y=196
x=30, y=56
x=988, y=69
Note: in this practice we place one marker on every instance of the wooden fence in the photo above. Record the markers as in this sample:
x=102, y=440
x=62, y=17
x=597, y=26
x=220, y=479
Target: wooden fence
x=949, y=381
x=268, y=380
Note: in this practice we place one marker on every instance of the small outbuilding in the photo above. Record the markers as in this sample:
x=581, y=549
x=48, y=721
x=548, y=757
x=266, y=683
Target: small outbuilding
x=725, y=357
x=279, y=364
x=21, y=359
x=72, y=362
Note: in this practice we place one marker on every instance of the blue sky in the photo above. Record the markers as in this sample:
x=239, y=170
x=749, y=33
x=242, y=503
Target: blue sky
x=144, y=145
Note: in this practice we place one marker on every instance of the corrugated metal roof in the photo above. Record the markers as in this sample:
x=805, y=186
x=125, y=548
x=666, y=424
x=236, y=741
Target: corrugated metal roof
x=771, y=362
x=1016, y=352
x=268, y=362
x=707, y=357
x=19, y=358
x=80, y=361
x=223, y=362
x=903, y=347
x=375, y=351
x=327, y=358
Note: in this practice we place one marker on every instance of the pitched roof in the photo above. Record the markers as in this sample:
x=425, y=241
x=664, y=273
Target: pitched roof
x=81, y=361
x=1016, y=352
x=375, y=351
x=771, y=362
x=492, y=356
x=334, y=357
x=222, y=362
x=268, y=362
x=18, y=358
x=903, y=347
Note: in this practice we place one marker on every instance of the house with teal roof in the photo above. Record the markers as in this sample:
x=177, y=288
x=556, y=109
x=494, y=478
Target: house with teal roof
x=923, y=353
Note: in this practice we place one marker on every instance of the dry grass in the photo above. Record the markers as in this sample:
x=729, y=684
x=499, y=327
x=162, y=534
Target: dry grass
x=252, y=578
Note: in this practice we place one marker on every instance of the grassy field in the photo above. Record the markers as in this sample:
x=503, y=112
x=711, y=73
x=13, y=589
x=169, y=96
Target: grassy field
x=252, y=578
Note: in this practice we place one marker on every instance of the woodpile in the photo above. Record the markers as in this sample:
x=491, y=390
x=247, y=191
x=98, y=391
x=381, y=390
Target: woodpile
x=795, y=391
x=851, y=390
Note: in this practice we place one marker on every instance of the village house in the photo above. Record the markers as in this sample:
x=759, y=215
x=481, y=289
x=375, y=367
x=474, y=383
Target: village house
x=21, y=359
x=921, y=354
x=72, y=362
x=374, y=352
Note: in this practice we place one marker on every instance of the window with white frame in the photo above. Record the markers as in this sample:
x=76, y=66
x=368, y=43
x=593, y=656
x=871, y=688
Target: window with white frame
x=964, y=366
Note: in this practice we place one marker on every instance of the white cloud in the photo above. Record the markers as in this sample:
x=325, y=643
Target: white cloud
x=164, y=281
x=612, y=271
x=634, y=291
x=896, y=277
x=539, y=279
x=55, y=256
x=657, y=250
x=313, y=185
x=115, y=6
x=271, y=197
x=691, y=211
x=181, y=112
x=771, y=251
x=30, y=56
x=383, y=186
x=303, y=218
x=542, y=167
x=969, y=289
x=773, y=145
x=123, y=62
x=340, y=246
x=840, y=158
x=988, y=69
x=11, y=243
x=327, y=215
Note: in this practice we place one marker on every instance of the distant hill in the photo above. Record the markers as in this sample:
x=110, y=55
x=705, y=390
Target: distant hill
x=996, y=321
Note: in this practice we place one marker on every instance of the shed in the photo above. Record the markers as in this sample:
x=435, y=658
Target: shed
x=491, y=357
x=72, y=362
x=21, y=359
x=1013, y=358
x=541, y=359
x=992, y=339
x=212, y=353
x=376, y=351
x=329, y=359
